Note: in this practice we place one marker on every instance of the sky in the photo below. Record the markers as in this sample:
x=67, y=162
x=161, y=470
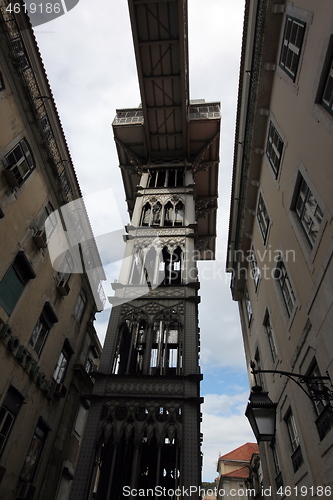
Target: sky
x=89, y=59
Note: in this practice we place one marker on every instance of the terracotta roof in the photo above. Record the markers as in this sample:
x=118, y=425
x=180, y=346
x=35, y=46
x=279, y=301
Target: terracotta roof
x=243, y=453
x=242, y=472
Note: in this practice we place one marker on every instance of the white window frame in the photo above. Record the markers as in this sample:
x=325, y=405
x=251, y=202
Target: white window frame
x=24, y=164
x=255, y=271
x=285, y=286
x=292, y=431
x=274, y=148
x=306, y=210
x=291, y=49
x=248, y=306
x=270, y=336
x=80, y=306
x=263, y=218
x=41, y=331
x=308, y=250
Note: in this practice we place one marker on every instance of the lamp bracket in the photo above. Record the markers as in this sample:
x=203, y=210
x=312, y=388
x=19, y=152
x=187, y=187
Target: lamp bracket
x=317, y=390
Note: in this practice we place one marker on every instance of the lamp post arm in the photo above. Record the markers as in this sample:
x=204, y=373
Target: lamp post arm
x=318, y=391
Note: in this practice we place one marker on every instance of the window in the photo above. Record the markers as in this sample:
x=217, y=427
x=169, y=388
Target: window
x=260, y=376
x=248, y=306
x=270, y=336
x=62, y=364
x=166, y=177
x=262, y=218
x=274, y=149
x=42, y=328
x=20, y=164
x=292, y=431
x=14, y=281
x=51, y=219
x=171, y=214
x=321, y=403
x=179, y=214
x=149, y=351
x=156, y=215
x=2, y=83
x=35, y=451
x=171, y=267
x=297, y=457
x=81, y=418
x=291, y=46
x=326, y=96
x=8, y=412
x=308, y=212
x=285, y=286
x=39, y=335
x=66, y=268
x=80, y=306
x=90, y=360
x=146, y=214
x=255, y=271
x=277, y=467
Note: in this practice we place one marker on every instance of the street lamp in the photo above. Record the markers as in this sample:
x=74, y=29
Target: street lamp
x=261, y=413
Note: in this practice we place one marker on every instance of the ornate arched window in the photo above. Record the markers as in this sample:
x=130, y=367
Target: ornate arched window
x=168, y=214
x=172, y=266
x=132, y=339
x=146, y=215
x=179, y=214
x=156, y=218
x=137, y=267
x=166, y=353
x=150, y=266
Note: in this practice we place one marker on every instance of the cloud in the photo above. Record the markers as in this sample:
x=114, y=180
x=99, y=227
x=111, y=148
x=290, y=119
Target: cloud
x=224, y=428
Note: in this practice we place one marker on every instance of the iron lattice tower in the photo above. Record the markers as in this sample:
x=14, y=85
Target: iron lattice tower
x=143, y=427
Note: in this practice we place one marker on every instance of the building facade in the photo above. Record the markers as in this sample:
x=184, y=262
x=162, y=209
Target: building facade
x=48, y=344
x=143, y=430
x=240, y=475
x=280, y=234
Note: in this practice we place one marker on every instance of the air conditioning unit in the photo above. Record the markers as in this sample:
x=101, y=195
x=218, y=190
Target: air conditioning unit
x=60, y=391
x=26, y=491
x=63, y=287
x=40, y=238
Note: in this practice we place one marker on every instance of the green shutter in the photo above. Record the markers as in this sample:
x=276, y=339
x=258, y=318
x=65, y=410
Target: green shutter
x=11, y=288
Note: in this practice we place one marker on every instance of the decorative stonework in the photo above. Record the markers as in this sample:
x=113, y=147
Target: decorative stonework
x=170, y=241
x=166, y=191
x=149, y=388
x=144, y=418
x=205, y=206
x=167, y=292
x=152, y=308
x=162, y=232
x=203, y=244
x=163, y=198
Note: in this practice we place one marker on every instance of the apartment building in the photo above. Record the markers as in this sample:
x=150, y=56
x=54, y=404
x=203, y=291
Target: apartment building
x=240, y=474
x=48, y=344
x=281, y=235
